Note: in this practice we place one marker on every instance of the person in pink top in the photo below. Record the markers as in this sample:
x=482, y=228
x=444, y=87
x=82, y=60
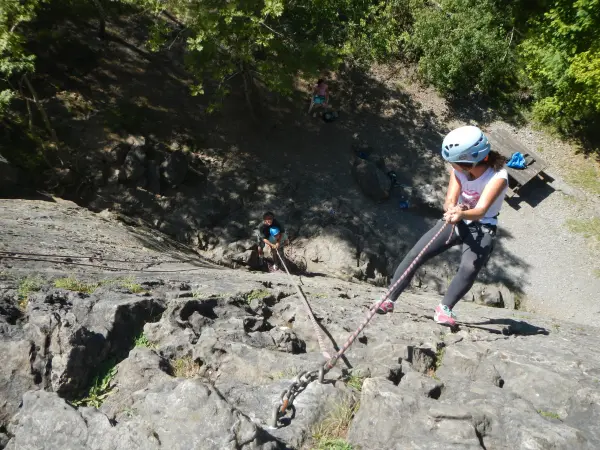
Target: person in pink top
x=321, y=92
x=320, y=95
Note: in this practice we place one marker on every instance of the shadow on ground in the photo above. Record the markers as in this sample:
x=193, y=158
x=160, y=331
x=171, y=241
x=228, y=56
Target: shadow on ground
x=533, y=193
x=509, y=327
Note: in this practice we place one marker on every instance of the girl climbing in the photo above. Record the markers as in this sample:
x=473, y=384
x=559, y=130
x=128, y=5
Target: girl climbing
x=476, y=190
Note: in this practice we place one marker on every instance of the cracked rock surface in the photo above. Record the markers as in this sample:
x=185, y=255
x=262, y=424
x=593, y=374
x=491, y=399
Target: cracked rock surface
x=219, y=347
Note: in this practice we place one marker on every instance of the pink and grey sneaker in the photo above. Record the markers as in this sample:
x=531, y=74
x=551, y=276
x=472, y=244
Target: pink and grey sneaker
x=386, y=307
x=444, y=315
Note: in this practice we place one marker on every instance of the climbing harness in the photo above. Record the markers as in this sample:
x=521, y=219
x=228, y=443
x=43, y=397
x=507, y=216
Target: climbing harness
x=302, y=380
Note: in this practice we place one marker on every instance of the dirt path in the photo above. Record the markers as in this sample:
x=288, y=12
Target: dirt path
x=560, y=277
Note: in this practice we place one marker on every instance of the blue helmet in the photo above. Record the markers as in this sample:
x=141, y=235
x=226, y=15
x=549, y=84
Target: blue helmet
x=274, y=231
x=466, y=145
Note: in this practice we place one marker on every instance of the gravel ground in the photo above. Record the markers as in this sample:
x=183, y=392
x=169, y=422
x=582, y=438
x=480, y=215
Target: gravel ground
x=562, y=279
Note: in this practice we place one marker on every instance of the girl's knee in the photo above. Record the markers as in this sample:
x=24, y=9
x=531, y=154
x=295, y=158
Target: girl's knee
x=468, y=270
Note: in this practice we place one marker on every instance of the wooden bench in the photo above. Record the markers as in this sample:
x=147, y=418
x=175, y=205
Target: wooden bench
x=504, y=143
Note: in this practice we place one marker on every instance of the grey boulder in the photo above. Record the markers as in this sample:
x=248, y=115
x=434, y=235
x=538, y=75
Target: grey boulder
x=373, y=181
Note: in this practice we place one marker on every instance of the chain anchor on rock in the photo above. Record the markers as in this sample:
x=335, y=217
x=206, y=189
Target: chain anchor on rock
x=286, y=401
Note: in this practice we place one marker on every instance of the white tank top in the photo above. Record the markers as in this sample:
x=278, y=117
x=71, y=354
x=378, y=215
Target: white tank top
x=470, y=192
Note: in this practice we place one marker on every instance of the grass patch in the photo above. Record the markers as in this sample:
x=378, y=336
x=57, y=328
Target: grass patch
x=78, y=106
x=548, y=414
x=355, y=382
x=100, y=389
x=130, y=284
x=518, y=302
x=185, y=367
x=142, y=341
x=289, y=372
x=333, y=444
x=589, y=228
x=439, y=356
x=73, y=284
x=597, y=273
x=27, y=286
x=585, y=176
x=257, y=294
x=331, y=432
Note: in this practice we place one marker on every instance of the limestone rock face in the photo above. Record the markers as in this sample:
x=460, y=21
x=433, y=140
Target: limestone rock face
x=199, y=355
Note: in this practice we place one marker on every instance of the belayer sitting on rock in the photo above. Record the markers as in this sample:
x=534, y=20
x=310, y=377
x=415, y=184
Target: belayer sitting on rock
x=476, y=190
x=272, y=234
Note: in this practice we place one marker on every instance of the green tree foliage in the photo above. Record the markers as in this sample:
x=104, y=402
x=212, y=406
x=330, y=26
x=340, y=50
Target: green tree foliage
x=380, y=33
x=273, y=41
x=270, y=41
x=561, y=59
x=463, y=46
x=14, y=60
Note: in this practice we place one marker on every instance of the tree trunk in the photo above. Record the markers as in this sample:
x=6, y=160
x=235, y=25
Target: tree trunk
x=29, y=114
x=172, y=18
x=28, y=103
x=247, y=87
x=102, y=18
x=509, y=42
x=41, y=109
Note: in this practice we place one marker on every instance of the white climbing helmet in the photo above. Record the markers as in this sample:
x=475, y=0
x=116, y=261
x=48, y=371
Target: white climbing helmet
x=466, y=145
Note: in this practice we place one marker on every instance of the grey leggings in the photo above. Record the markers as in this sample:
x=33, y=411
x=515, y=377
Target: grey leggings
x=477, y=244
